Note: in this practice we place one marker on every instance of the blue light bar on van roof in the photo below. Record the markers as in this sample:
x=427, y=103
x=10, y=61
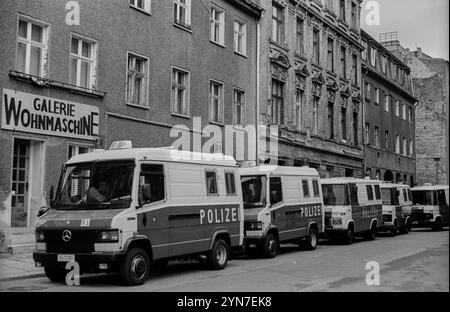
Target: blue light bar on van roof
x=118, y=145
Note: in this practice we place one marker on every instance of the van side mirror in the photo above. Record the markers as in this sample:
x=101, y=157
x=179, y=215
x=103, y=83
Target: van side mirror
x=42, y=211
x=145, y=194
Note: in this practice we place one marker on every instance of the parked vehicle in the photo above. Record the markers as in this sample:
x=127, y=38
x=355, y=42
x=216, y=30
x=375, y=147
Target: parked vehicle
x=396, y=208
x=281, y=204
x=127, y=209
x=352, y=207
x=430, y=206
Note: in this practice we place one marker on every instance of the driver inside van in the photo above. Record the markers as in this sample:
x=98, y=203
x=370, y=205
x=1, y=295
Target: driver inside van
x=98, y=194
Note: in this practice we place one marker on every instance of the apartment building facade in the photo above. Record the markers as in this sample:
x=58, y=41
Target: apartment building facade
x=78, y=75
x=389, y=115
x=311, y=85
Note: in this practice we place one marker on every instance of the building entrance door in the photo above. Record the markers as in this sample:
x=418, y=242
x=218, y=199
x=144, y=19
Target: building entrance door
x=20, y=174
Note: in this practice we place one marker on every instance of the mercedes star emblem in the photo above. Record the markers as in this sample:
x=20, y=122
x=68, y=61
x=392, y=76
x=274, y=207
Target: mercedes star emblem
x=66, y=235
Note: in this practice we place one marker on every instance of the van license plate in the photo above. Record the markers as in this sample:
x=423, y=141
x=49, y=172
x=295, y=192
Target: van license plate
x=66, y=258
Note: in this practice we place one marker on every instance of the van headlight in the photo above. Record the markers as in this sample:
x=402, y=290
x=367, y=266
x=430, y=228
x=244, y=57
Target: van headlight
x=336, y=221
x=255, y=226
x=109, y=236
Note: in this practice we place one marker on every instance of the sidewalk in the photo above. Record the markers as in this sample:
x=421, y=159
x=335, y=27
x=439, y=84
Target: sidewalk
x=21, y=266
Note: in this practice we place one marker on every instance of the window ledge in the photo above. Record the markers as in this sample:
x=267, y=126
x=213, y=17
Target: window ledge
x=182, y=27
x=138, y=106
x=218, y=44
x=241, y=54
x=181, y=115
x=140, y=10
x=47, y=83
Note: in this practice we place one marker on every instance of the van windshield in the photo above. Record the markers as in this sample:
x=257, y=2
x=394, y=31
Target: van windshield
x=254, y=191
x=335, y=194
x=96, y=185
x=423, y=198
x=388, y=196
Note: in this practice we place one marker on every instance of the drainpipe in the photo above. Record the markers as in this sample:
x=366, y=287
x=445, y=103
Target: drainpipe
x=258, y=74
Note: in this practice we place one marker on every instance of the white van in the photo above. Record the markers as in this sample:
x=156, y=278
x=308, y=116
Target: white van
x=281, y=204
x=352, y=207
x=430, y=206
x=127, y=209
x=397, y=204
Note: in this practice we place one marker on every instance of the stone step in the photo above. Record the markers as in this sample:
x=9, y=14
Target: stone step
x=20, y=239
x=26, y=230
x=21, y=248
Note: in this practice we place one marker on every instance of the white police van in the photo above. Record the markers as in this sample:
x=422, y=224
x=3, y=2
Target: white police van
x=430, y=206
x=281, y=204
x=126, y=209
x=352, y=207
x=396, y=208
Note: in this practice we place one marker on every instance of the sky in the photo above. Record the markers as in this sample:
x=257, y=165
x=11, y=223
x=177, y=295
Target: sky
x=419, y=23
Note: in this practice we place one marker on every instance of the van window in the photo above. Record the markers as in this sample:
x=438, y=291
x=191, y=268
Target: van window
x=405, y=196
x=335, y=194
x=369, y=192
x=230, y=183
x=424, y=198
x=353, y=193
x=441, y=197
x=377, y=192
x=254, y=191
x=316, y=188
x=386, y=196
x=276, y=192
x=211, y=183
x=305, y=187
x=409, y=195
x=153, y=175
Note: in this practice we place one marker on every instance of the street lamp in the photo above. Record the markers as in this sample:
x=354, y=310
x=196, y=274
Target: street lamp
x=437, y=160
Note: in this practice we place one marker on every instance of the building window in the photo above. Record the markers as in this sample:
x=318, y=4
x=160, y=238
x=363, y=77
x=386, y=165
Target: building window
x=387, y=102
x=32, y=47
x=77, y=150
x=144, y=5
x=343, y=62
x=404, y=111
x=386, y=140
x=354, y=69
x=331, y=120
x=240, y=37
x=277, y=24
x=180, y=91
x=83, y=62
x=364, y=51
x=377, y=96
x=404, y=148
x=368, y=91
x=344, y=123
x=239, y=106
x=354, y=16
x=315, y=115
x=367, y=133
x=397, y=144
x=342, y=10
x=376, y=136
x=300, y=36
x=182, y=12
x=373, y=56
x=277, y=102
x=316, y=46
x=397, y=108
x=329, y=5
x=410, y=118
x=384, y=64
x=137, y=79
x=217, y=25
x=355, y=129
x=298, y=109
x=411, y=148
x=330, y=54
x=216, y=102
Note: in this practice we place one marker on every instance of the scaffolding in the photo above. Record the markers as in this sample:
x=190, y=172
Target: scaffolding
x=389, y=38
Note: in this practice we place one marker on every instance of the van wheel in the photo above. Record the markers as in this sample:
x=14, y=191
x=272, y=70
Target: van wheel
x=217, y=258
x=394, y=230
x=135, y=268
x=372, y=233
x=349, y=236
x=270, y=247
x=405, y=228
x=311, y=240
x=55, y=275
x=437, y=225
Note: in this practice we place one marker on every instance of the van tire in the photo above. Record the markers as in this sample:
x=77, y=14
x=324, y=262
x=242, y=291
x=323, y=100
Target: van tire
x=348, y=237
x=371, y=234
x=405, y=229
x=270, y=247
x=217, y=258
x=311, y=240
x=437, y=226
x=393, y=231
x=55, y=275
x=135, y=267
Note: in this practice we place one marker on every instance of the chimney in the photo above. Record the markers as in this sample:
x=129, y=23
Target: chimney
x=419, y=53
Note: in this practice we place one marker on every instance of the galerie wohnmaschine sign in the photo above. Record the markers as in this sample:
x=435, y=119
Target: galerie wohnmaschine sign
x=39, y=114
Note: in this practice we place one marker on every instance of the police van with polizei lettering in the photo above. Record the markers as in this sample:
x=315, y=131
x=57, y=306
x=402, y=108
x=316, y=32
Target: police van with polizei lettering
x=352, y=207
x=430, y=206
x=126, y=210
x=281, y=204
x=396, y=208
